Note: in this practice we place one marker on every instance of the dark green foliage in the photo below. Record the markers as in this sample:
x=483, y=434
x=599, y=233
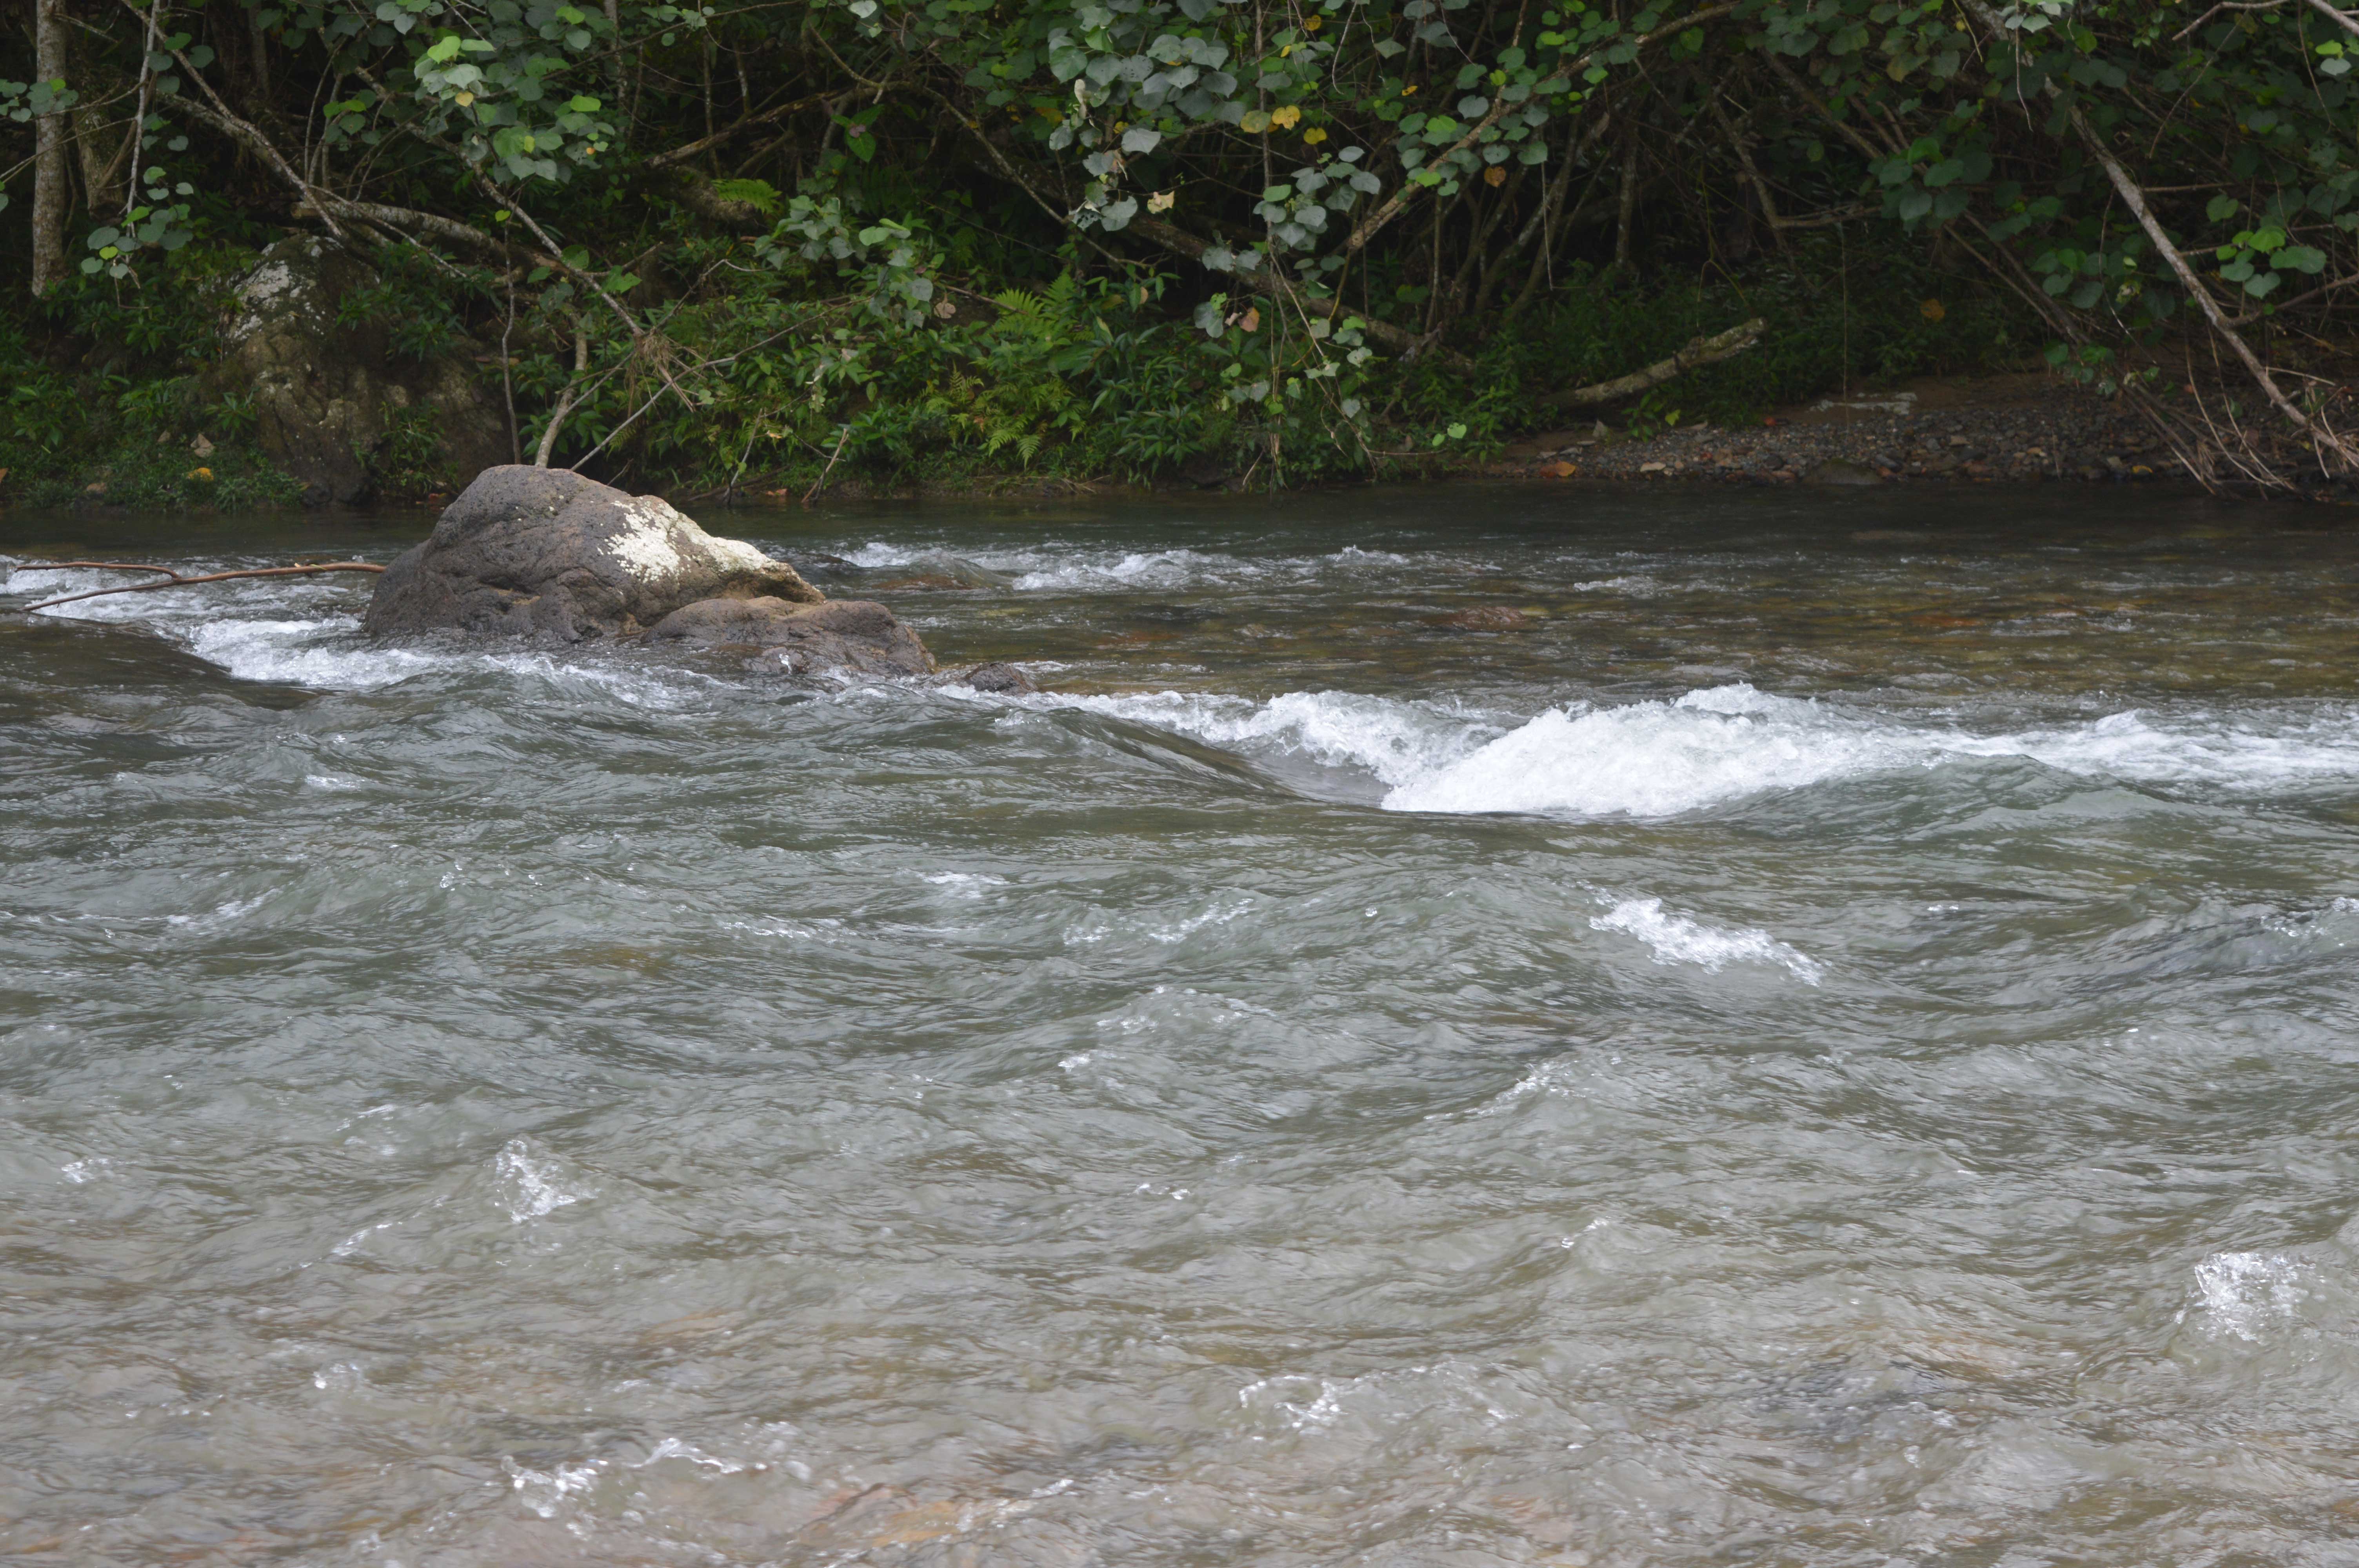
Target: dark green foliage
x=104, y=391
x=910, y=239
x=1856, y=318
x=411, y=464
x=416, y=302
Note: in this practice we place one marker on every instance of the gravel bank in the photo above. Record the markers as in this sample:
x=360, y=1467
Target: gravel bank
x=2015, y=428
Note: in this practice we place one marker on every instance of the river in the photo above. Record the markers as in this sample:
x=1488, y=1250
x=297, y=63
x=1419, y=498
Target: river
x=1468, y=1026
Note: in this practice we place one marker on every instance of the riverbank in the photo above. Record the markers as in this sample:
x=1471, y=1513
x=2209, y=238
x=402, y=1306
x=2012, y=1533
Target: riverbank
x=2020, y=428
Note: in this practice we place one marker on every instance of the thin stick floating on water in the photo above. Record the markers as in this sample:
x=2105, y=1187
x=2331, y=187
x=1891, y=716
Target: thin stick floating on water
x=170, y=578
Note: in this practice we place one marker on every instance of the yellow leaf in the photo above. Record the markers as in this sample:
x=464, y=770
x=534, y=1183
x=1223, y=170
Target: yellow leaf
x=1253, y=124
x=1314, y=135
x=1494, y=175
x=1286, y=119
x=1932, y=310
x=464, y=98
x=1161, y=201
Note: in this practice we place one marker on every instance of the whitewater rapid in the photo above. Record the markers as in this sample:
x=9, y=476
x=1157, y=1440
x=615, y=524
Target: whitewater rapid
x=1723, y=744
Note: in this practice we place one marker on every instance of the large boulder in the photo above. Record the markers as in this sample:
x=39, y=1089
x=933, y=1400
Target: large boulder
x=545, y=552
x=773, y=635
x=329, y=396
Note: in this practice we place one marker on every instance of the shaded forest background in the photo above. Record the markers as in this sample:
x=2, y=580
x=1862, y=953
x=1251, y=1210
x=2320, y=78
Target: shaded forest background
x=743, y=247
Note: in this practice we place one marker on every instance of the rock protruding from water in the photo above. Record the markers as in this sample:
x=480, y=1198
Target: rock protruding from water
x=998, y=679
x=780, y=637
x=547, y=553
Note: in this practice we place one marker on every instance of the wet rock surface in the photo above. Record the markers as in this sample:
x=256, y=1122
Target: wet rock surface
x=781, y=637
x=547, y=553
x=997, y=680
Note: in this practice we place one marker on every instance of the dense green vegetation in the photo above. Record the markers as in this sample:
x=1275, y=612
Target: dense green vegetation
x=744, y=246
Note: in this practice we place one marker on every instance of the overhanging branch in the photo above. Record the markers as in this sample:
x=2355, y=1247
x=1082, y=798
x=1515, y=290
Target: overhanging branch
x=1699, y=352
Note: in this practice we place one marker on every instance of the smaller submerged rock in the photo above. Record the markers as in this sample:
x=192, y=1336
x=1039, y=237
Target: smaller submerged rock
x=996, y=678
x=786, y=638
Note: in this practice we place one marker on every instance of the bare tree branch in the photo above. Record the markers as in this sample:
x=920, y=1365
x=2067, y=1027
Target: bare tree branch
x=170, y=578
x=1702, y=350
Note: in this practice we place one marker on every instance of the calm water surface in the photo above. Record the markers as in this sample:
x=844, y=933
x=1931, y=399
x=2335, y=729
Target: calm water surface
x=1828, y=1036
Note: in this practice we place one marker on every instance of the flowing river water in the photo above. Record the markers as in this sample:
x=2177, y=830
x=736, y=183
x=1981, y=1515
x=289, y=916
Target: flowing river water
x=1475, y=1026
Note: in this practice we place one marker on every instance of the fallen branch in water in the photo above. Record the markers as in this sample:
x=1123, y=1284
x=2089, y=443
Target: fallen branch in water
x=1699, y=352
x=170, y=578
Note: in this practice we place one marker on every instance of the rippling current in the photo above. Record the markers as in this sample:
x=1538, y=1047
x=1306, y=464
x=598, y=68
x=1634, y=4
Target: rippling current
x=1469, y=1027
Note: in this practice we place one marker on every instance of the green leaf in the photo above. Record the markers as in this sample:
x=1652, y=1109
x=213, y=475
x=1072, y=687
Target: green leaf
x=758, y=194
x=2220, y=209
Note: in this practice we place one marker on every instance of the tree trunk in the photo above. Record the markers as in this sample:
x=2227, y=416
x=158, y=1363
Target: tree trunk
x=51, y=132
x=101, y=168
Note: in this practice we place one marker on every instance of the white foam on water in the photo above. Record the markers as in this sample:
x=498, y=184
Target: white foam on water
x=323, y=652
x=1723, y=743
x=1396, y=742
x=1141, y=568
x=544, y=1490
x=2132, y=746
x=1677, y=939
x=674, y=1448
x=964, y=885
x=1653, y=759
x=1055, y=568
x=1712, y=746
x=233, y=910
x=1219, y=915
x=303, y=653
x=527, y=1184
x=2243, y=1292
x=637, y=686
